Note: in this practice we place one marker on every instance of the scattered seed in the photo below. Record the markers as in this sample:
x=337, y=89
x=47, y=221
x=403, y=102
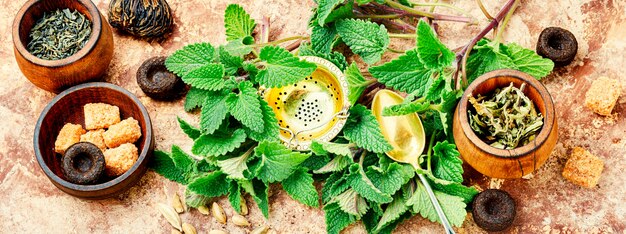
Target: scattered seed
x=214, y=231
x=240, y=220
x=204, y=210
x=176, y=204
x=244, y=207
x=170, y=215
x=218, y=213
x=260, y=230
x=189, y=229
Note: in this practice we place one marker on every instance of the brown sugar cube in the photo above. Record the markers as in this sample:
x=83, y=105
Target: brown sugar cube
x=583, y=168
x=100, y=115
x=119, y=160
x=94, y=137
x=603, y=95
x=127, y=131
x=69, y=135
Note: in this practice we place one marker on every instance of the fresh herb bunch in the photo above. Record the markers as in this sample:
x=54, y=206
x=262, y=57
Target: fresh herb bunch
x=237, y=142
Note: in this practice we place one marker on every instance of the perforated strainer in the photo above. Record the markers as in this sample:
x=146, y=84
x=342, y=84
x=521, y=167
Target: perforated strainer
x=313, y=109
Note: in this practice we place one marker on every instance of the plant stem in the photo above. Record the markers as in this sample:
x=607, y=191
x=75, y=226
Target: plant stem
x=398, y=8
x=502, y=27
x=276, y=42
x=484, y=10
x=430, y=151
x=436, y=3
x=401, y=35
x=391, y=16
x=395, y=51
x=432, y=8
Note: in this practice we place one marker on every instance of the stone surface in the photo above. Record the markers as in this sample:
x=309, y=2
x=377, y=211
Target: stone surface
x=547, y=202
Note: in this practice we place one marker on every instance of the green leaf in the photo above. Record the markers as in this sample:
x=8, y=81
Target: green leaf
x=234, y=196
x=337, y=164
x=189, y=130
x=486, y=57
x=322, y=38
x=181, y=159
x=356, y=83
x=390, y=179
x=367, y=39
x=276, y=162
x=326, y=148
x=363, y=129
x=282, y=68
x=343, y=11
x=270, y=125
x=352, y=203
x=435, y=91
x=406, y=108
x=237, y=22
x=299, y=186
x=393, y=212
x=235, y=166
x=359, y=181
x=239, y=47
x=457, y=189
x=218, y=143
x=195, y=200
x=212, y=184
x=231, y=63
x=208, y=77
x=189, y=58
x=337, y=219
x=433, y=53
x=452, y=206
x=446, y=110
x=335, y=57
x=214, y=111
x=195, y=98
x=405, y=73
x=324, y=8
x=528, y=61
x=258, y=191
x=163, y=164
x=449, y=165
x=246, y=107
x=335, y=184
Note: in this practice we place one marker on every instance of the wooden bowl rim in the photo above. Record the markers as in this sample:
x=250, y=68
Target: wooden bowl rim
x=548, y=122
x=94, y=187
x=94, y=37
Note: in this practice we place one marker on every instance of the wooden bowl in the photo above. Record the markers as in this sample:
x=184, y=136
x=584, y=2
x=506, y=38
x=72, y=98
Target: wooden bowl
x=88, y=64
x=500, y=163
x=67, y=107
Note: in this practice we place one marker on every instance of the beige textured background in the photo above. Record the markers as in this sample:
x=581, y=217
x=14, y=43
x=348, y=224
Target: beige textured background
x=29, y=203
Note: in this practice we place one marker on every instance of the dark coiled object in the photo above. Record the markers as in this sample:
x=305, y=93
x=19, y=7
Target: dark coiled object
x=142, y=18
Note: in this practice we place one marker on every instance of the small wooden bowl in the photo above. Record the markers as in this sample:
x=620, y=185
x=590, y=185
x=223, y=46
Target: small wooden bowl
x=88, y=64
x=67, y=107
x=500, y=163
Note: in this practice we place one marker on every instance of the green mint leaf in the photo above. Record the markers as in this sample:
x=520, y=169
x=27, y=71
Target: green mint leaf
x=276, y=162
x=359, y=181
x=446, y=110
x=234, y=196
x=390, y=179
x=335, y=57
x=337, y=219
x=335, y=184
x=163, y=164
x=191, y=131
x=195, y=200
x=453, y=206
x=367, y=39
x=246, y=106
x=344, y=11
x=270, y=125
x=356, y=83
x=282, y=68
x=393, y=212
x=363, y=129
x=405, y=73
x=435, y=91
x=352, y=203
x=252, y=70
x=406, y=108
x=208, y=77
x=324, y=8
x=433, y=53
x=218, y=143
x=299, y=186
x=258, y=190
x=337, y=164
x=235, y=166
x=457, y=189
x=213, y=113
x=486, y=57
x=181, y=159
x=195, y=98
x=315, y=162
x=237, y=22
x=205, y=166
x=448, y=164
x=528, y=61
x=212, y=184
x=239, y=47
x=326, y=148
x=322, y=38
x=231, y=63
x=189, y=58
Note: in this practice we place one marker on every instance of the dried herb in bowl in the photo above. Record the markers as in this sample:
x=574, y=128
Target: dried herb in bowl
x=506, y=119
x=59, y=34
